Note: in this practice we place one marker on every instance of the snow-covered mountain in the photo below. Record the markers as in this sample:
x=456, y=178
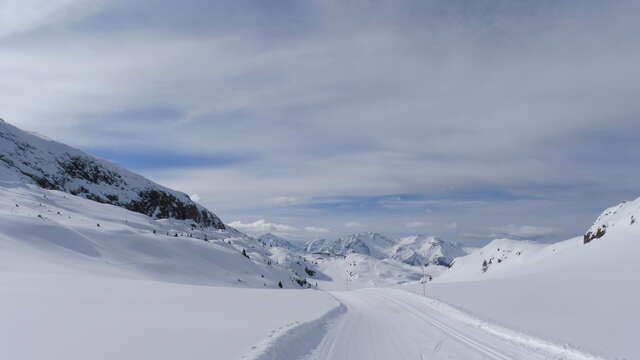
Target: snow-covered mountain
x=51, y=231
x=414, y=250
x=272, y=240
x=426, y=250
x=365, y=243
x=74, y=209
x=626, y=213
x=30, y=158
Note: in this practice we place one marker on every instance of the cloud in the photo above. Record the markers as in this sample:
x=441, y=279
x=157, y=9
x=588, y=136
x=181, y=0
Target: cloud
x=316, y=229
x=261, y=226
x=522, y=231
x=353, y=224
x=17, y=16
x=417, y=224
x=451, y=226
x=285, y=200
x=289, y=112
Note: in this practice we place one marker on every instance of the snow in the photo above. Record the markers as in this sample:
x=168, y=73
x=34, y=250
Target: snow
x=272, y=240
x=81, y=291
x=420, y=249
x=119, y=290
x=368, y=243
x=27, y=158
x=75, y=316
x=63, y=229
x=85, y=280
x=585, y=296
x=393, y=324
x=413, y=250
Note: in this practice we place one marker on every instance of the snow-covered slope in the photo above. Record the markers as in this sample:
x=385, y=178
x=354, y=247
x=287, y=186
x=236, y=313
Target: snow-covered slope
x=355, y=271
x=78, y=316
x=51, y=230
x=30, y=158
x=626, y=213
x=583, y=295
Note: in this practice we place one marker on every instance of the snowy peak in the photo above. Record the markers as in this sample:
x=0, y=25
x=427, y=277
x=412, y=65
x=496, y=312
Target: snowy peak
x=366, y=243
x=426, y=250
x=624, y=214
x=271, y=240
x=34, y=159
x=415, y=250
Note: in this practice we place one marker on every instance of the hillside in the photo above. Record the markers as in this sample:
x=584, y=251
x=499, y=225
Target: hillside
x=582, y=295
x=31, y=158
x=63, y=231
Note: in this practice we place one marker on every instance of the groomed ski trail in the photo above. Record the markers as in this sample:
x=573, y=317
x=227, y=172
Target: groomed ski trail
x=387, y=324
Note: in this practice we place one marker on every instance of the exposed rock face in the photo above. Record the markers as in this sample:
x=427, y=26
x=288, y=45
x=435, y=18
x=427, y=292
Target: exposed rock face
x=29, y=158
x=589, y=236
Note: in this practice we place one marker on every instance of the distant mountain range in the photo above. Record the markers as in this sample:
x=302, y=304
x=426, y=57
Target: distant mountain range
x=412, y=250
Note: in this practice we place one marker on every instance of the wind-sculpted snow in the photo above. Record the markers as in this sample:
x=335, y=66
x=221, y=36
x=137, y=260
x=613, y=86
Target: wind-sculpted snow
x=29, y=158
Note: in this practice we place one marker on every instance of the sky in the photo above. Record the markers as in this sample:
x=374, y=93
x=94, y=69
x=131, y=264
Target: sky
x=468, y=120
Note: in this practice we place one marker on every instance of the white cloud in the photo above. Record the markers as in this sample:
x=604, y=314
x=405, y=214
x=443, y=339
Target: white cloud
x=353, y=224
x=307, y=109
x=522, y=231
x=18, y=16
x=284, y=200
x=260, y=226
x=315, y=229
x=417, y=224
x=451, y=226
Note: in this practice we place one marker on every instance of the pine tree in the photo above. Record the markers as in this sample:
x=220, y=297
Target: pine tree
x=280, y=284
x=485, y=266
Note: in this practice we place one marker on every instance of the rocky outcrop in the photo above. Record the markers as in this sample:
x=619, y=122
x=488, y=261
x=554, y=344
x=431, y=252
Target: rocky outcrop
x=616, y=217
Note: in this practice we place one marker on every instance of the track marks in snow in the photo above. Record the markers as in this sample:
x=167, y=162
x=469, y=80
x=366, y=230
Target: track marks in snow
x=295, y=340
x=392, y=324
x=451, y=332
x=549, y=349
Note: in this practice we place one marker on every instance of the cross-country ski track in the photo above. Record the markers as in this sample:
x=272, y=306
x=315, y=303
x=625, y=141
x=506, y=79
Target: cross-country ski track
x=389, y=324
